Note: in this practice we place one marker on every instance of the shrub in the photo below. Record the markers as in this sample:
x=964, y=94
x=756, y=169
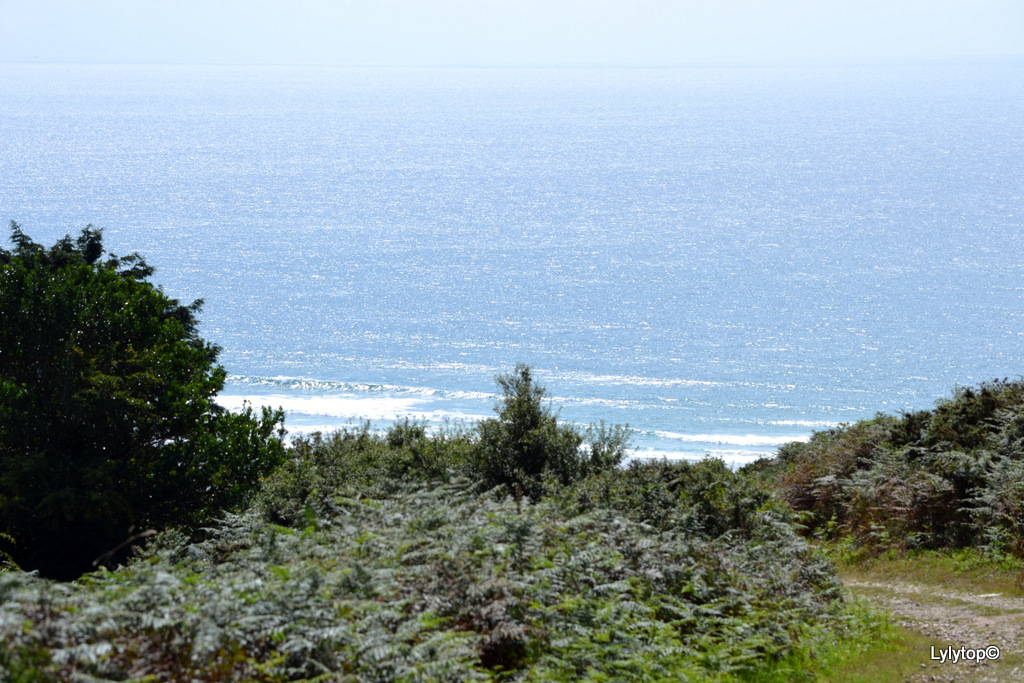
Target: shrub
x=815, y=472
x=968, y=419
x=946, y=478
x=525, y=442
x=301, y=492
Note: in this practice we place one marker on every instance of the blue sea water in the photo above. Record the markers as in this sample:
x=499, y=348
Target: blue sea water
x=725, y=259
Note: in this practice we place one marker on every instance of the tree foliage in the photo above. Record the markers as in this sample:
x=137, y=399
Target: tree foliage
x=525, y=442
x=107, y=413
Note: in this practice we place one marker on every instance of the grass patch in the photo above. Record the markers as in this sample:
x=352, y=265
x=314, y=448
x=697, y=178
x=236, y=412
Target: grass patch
x=967, y=570
x=893, y=658
x=870, y=634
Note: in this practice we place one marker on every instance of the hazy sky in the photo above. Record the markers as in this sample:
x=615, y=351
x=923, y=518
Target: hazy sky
x=505, y=32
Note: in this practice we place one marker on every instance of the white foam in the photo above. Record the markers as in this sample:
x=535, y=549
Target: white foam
x=641, y=381
x=804, y=423
x=593, y=401
x=302, y=384
x=733, y=439
x=347, y=408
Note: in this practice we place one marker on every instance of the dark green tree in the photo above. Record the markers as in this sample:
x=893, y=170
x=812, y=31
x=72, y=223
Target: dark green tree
x=107, y=413
x=525, y=442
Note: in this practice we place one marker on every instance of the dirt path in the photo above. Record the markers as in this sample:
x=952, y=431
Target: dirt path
x=959, y=620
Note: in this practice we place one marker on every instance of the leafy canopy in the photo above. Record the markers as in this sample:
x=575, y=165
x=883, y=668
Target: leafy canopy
x=107, y=413
x=525, y=443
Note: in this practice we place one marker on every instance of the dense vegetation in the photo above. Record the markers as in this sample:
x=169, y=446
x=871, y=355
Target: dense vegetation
x=518, y=549
x=950, y=477
x=107, y=419
x=658, y=571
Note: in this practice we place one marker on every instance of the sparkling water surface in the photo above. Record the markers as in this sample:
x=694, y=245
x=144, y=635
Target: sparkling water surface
x=725, y=259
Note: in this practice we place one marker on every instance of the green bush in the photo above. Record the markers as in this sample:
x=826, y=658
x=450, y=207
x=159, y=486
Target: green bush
x=107, y=417
x=814, y=473
x=302, y=490
x=969, y=419
x=525, y=442
x=950, y=477
x=703, y=499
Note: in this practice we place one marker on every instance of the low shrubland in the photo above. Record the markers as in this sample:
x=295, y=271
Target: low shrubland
x=394, y=556
x=438, y=582
x=947, y=478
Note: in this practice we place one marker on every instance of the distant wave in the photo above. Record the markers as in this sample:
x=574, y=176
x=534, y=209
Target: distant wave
x=302, y=384
x=804, y=423
x=346, y=408
x=749, y=440
x=309, y=384
x=620, y=403
x=640, y=380
x=637, y=380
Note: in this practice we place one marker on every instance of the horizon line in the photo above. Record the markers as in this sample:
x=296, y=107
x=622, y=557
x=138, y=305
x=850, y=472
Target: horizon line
x=747, y=63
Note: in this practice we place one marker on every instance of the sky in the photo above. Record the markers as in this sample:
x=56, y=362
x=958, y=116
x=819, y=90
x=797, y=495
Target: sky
x=626, y=33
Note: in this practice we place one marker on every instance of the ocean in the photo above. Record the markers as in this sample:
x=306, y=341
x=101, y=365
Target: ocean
x=725, y=259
